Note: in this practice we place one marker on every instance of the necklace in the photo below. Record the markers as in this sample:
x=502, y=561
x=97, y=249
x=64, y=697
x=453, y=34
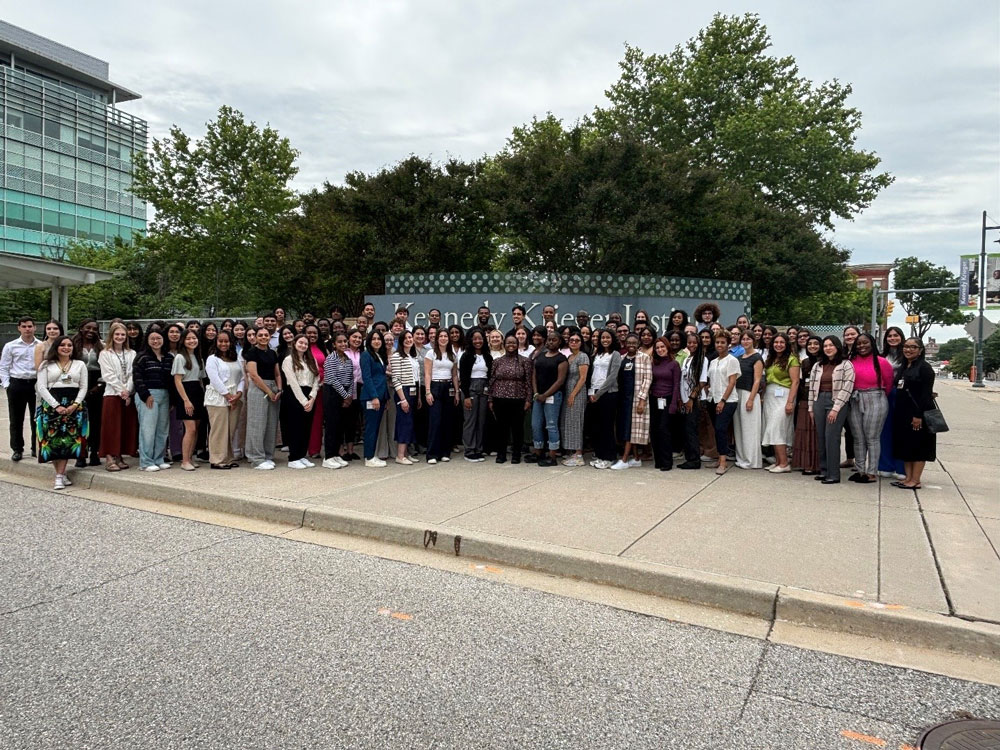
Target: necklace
x=64, y=377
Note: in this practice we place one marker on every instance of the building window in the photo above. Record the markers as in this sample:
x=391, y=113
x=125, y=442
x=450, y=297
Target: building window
x=862, y=284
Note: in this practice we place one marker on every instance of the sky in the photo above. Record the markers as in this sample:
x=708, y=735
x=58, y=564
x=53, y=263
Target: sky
x=361, y=85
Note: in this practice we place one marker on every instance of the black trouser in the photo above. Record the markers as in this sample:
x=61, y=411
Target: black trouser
x=510, y=424
x=441, y=419
x=604, y=427
x=298, y=423
x=659, y=432
x=95, y=405
x=420, y=423
x=335, y=417
x=692, y=450
x=20, y=395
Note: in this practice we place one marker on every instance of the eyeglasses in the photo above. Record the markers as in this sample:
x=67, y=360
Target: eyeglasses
x=910, y=346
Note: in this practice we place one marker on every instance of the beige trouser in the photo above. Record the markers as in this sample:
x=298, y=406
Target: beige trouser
x=222, y=422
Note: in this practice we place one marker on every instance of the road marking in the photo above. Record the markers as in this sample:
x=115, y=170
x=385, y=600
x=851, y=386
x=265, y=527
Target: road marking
x=386, y=612
x=863, y=738
x=850, y=603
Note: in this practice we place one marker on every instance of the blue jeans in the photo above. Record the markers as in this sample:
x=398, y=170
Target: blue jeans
x=721, y=423
x=545, y=422
x=154, y=428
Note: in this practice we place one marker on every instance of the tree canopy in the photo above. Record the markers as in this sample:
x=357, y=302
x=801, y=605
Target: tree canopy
x=934, y=308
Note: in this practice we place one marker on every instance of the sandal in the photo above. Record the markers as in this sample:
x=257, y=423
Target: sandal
x=111, y=466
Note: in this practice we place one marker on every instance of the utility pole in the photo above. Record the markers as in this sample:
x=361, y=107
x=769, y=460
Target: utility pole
x=982, y=308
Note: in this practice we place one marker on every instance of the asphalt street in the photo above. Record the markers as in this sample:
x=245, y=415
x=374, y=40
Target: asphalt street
x=124, y=629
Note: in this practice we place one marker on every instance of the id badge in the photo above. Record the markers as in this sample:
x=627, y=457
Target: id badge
x=64, y=378
x=370, y=404
x=592, y=392
x=413, y=390
x=550, y=399
x=661, y=403
x=899, y=385
x=451, y=392
x=780, y=393
x=628, y=366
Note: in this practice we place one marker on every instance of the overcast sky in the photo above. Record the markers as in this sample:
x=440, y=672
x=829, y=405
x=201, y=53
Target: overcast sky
x=360, y=85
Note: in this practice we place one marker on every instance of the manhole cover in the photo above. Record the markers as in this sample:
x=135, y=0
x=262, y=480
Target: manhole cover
x=962, y=735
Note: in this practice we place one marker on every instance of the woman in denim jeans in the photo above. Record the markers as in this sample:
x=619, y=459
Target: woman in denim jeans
x=547, y=380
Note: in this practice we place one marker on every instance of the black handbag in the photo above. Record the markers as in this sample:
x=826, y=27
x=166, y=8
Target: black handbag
x=934, y=420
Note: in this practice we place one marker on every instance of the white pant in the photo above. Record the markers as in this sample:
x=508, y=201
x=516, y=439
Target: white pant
x=747, y=426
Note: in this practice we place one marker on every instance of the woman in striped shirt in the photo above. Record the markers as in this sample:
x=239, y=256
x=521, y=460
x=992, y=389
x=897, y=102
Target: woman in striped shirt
x=338, y=393
x=404, y=366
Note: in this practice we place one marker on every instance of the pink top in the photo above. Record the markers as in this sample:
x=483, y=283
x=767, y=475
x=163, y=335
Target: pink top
x=319, y=356
x=865, y=376
x=355, y=358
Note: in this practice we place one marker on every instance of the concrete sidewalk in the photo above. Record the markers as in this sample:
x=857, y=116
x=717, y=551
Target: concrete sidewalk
x=919, y=567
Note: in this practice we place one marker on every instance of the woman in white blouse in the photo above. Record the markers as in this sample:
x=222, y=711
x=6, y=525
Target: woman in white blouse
x=119, y=422
x=62, y=425
x=404, y=375
x=223, y=400
x=302, y=376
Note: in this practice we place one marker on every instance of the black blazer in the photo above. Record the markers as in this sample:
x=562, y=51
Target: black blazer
x=465, y=363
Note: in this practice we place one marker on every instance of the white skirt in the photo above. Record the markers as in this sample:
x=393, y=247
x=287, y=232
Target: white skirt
x=779, y=428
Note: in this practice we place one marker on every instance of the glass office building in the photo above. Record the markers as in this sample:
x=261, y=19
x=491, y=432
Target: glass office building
x=66, y=149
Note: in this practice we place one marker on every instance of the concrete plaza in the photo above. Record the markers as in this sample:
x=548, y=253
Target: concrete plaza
x=738, y=542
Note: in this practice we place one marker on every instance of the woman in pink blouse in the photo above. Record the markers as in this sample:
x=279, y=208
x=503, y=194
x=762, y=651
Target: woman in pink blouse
x=316, y=432
x=869, y=406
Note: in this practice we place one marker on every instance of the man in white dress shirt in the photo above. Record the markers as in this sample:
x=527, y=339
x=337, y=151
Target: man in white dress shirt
x=17, y=376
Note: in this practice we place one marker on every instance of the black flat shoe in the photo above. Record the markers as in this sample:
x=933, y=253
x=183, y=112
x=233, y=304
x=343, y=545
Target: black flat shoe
x=819, y=478
x=95, y=460
x=690, y=465
x=221, y=467
x=864, y=479
x=16, y=456
x=831, y=481
x=515, y=459
x=501, y=459
x=234, y=465
x=531, y=458
x=810, y=473
x=855, y=477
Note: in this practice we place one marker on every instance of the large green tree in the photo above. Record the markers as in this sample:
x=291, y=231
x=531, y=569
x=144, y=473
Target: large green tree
x=934, y=308
x=213, y=199
x=725, y=101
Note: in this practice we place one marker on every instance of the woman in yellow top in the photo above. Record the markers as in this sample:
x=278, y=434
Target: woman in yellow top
x=782, y=376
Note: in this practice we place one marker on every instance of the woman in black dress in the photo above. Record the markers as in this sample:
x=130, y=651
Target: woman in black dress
x=912, y=442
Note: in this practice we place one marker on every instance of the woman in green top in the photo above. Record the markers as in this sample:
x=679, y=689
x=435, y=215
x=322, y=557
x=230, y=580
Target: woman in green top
x=782, y=376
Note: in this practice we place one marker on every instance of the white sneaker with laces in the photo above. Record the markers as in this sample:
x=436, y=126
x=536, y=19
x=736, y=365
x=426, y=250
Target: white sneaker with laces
x=264, y=466
x=165, y=466
x=154, y=467
x=445, y=459
x=618, y=465
x=66, y=480
x=602, y=464
x=297, y=465
x=309, y=464
x=332, y=463
x=634, y=463
x=431, y=461
x=59, y=484
x=374, y=463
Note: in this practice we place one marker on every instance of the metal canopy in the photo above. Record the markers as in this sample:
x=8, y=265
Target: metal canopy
x=27, y=272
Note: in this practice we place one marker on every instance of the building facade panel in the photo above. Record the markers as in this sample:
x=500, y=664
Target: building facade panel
x=66, y=164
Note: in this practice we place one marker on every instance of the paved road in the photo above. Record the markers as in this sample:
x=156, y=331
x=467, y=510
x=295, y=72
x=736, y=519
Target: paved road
x=123, y=629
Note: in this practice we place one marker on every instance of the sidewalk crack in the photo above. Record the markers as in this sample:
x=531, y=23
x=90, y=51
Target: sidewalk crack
x=652, y=528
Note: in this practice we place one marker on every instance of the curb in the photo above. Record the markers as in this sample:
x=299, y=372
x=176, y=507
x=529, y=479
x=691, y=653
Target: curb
x=768, y=602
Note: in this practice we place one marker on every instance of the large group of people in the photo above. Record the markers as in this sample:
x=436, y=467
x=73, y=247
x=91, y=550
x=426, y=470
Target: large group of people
x=698, y=394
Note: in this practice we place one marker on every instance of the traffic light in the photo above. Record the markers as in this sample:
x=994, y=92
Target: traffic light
x=890, y=305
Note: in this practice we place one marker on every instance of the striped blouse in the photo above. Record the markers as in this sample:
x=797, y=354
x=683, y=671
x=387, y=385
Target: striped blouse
x=339, y=375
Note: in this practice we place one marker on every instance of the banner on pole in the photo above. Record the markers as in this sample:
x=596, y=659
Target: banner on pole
x=968, y=282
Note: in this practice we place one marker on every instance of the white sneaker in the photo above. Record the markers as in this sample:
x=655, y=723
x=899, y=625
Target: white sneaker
x=269, y=462
x=154, y=467
x=445, y=459
x=66, y=480
x=634, y=463
x=618, y=465
x=165, y=466
x=59, y=484
x=780, y=469
x=333, y=463
x=264, y=466
x=374, y=463
x=431, y=461
x=308, y=464
x=404, y=461
x=706, y=459
x=600, y=463
x=413, y=459
x=573, y=461
x=341, y=461
x=297, y=465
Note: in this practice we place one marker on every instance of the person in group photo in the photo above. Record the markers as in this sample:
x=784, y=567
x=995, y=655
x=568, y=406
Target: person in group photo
x=830, y=390
x=119, y=421
x=634, y=379
x=441, y=394
x=264, y=393
x=781, y=378
x=88, y=348
x=805, y=455
x=912, y=440
x=723, y=372
x=53, y=330
x=473, y=376
x=339, y=393
x=300, y=373
x=62, y=423
x=404, y=375
x=187, y=370
x=224, y=400
x=603, y=397
x=869, y=406
x=153, y=382
x=374, y=392
x=548, y=376
x=748, y=420
x=575, y=405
